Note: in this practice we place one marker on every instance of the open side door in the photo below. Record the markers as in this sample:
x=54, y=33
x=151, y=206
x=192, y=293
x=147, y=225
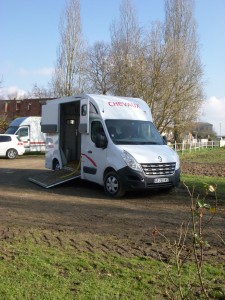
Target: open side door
x=84, y=116
x=50, y=118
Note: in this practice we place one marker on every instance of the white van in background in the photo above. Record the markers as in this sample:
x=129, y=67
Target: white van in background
x=112, y=139
x=28, y=129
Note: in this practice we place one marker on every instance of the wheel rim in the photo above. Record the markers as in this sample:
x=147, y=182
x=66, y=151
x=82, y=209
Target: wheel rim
x=112, y=185
x=56, y=166
x=11, y=154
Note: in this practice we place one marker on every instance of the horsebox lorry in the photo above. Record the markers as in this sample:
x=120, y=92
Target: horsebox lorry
x=28, y=129
x=111, y=140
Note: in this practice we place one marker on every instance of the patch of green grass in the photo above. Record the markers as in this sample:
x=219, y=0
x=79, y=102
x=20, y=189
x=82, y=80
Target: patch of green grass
x=40, y=272
x=206, y=155
x=35, y=271
x=198, y=183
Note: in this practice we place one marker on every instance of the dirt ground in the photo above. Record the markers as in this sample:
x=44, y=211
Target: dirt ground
x=79, y=214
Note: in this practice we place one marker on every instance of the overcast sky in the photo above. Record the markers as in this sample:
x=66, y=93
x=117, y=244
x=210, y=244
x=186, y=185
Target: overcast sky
x=30, y=37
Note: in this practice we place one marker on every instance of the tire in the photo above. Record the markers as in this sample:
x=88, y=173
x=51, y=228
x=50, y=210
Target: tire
x=11, y=153
x=113, y=185
x=56, y=165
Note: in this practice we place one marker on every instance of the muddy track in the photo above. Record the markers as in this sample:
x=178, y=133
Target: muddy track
x=79, y=215
x=216, y=170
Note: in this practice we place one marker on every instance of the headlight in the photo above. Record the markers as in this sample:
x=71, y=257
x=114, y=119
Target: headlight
x=178, y=162
x=131, y=161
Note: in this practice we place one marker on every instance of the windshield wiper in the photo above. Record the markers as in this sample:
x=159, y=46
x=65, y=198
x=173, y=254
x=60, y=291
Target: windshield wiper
x=149, y=143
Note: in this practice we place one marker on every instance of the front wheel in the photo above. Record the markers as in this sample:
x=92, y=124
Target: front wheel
x=113, y=185
x=11, y=153
x=56, y=165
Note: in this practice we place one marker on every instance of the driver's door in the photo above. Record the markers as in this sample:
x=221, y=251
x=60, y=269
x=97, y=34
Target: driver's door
x=23, y=134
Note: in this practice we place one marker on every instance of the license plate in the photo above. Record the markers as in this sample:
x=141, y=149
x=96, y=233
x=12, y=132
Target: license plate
x=161, y=180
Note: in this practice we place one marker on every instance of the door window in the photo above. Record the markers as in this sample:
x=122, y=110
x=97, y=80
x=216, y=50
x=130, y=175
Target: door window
x=96, y=128
x=5, y=138
x=22, y=132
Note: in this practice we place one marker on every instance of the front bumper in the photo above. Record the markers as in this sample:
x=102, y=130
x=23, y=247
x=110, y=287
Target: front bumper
x=134, y=180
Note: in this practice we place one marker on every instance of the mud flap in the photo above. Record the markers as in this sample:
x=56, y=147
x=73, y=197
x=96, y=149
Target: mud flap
x=50, y=179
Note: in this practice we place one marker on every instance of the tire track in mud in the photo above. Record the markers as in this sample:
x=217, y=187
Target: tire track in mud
x=193, y=168
x=106, y=245
x=94, y=245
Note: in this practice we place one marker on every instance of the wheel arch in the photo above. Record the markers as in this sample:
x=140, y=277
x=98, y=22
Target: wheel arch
x=107, y=170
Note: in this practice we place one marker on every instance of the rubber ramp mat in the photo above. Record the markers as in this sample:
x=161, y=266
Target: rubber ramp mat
x=49, y=179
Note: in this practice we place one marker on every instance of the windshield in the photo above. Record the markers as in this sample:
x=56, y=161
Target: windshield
x=12, y=129
x=132, y=132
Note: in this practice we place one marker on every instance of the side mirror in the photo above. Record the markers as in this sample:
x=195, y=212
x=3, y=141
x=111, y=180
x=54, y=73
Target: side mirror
x=164, y=139
x=101, y=141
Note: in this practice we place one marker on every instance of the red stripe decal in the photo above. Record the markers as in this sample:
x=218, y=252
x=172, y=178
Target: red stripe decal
x=37, y=143
x=91, y=160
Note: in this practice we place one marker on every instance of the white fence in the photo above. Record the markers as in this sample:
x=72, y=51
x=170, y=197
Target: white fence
x=195, y=146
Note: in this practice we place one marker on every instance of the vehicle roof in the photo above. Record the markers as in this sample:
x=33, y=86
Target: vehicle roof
x=19, y=120
x=116, y=107
x=113, y=107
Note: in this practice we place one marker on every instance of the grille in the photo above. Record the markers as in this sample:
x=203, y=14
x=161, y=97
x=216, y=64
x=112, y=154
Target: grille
x=159, y=169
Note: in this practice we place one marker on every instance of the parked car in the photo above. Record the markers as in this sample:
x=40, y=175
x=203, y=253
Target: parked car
x=11, y=146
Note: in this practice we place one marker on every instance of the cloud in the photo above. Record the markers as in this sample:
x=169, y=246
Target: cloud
x=36, y=72
x=213, y=111
x=11, y=93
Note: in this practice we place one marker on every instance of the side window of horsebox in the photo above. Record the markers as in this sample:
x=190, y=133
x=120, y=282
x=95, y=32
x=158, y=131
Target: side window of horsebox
x=96, y=128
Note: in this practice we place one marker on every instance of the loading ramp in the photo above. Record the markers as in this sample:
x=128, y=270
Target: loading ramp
x=50, y=179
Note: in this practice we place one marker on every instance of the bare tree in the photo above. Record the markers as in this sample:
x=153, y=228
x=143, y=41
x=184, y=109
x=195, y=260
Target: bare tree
x=39, y=92
x=3, y=123
x=173, y=74
x=125, y=42
x=99, y=68
x=153, y=69
x=184, y=65
x=162, y=67
x=15, y=95
x=3, y=117
x=67, y=78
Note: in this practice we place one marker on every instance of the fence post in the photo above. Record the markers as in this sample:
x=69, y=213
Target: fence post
x=182, y=147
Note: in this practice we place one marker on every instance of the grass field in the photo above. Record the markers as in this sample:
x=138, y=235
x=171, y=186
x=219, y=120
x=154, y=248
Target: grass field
x=198, y=183
x=36, y=271
x=206, y=157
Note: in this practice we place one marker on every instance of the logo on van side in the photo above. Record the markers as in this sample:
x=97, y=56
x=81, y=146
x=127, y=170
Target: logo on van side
x=128, y=104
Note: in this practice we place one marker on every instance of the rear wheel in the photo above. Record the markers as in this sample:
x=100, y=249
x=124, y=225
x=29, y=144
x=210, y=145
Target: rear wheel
x=11, y=153
x=113, y=185
x=56, y=165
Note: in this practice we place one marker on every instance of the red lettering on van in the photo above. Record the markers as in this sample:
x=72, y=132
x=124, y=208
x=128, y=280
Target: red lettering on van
x=127, y=104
